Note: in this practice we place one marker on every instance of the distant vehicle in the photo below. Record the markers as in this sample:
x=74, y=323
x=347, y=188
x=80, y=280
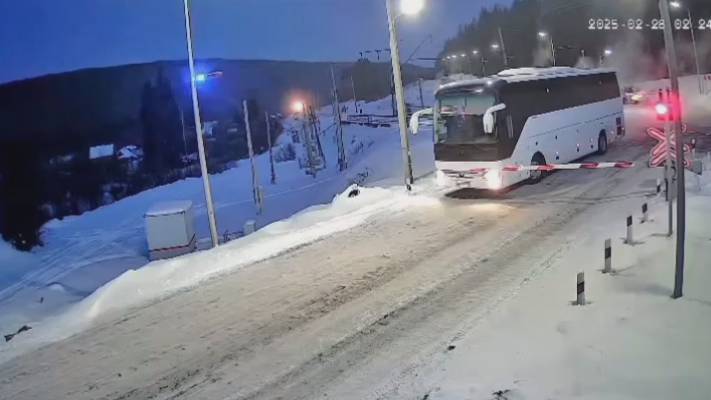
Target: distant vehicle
x=527, y=116
x=633, y=95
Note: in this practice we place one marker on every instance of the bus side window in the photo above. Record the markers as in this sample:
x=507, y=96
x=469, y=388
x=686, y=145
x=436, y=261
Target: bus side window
x=509, y=126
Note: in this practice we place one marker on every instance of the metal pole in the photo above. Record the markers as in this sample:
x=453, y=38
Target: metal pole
x=269, y=143
x=503, y=48
x=552, y=50
x=696, y=54
x=256, y=192
x=676, y=112
x=400, y=94
x=342, y=164
x=667, y=175
x=355, y=99
x=198, y=127
x=182, y=127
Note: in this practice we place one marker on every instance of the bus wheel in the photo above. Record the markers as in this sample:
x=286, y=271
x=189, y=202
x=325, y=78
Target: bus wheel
x=537, y=176
x=602, y=143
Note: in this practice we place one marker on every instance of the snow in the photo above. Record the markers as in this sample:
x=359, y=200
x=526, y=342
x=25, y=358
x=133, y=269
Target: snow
x=632, y=341
x=163, y=278
x=106, y=249
x=168, y=208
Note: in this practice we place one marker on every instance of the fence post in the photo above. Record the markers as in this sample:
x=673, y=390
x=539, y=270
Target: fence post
x=629, y=239
x=581, y=289
x=608, y=257
x=645, y=214
x=659, y=186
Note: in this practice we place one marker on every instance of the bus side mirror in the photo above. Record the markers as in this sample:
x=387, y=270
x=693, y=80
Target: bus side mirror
x=415, y=119
x=488, y=117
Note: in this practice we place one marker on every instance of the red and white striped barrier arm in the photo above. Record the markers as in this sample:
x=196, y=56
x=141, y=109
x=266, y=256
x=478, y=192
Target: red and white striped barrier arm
x=553, y=167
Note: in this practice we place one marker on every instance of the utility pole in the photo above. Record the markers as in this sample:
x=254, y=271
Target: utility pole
x=400, y=94
x=256, y=190
x=422, y=97
x=182, y=128
x=667, y=169
x=355, y=99
x=696, y=53
x=552, y=49
x=503, y=48
x=342, y=163
x=269, y=143
x=198, y=127
x=680, y=164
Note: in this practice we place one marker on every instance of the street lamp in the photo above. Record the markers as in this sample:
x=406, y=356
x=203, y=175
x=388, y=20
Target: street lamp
x=475, y=52
x=608, y=52
x=298, y=106
x=544, y=35
x=407, y=7
x=677, y=5
x=198, y=127
x=411, y=7
x=495, y=46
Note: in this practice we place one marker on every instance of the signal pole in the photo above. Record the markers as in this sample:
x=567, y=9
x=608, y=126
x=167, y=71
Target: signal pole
x=680, y=164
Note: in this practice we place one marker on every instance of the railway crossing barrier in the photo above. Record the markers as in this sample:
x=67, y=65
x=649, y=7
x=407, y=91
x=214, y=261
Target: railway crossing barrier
x=550, y=167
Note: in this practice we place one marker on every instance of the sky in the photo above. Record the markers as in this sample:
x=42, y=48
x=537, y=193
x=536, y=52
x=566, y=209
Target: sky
x=39, y=37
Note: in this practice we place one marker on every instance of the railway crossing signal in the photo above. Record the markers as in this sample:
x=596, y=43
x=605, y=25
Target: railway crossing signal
x=658, y=155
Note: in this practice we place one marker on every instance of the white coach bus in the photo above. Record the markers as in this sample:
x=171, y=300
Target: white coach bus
x=527, y=116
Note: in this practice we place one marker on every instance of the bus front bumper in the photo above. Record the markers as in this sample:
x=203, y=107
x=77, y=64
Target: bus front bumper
x=489, y=179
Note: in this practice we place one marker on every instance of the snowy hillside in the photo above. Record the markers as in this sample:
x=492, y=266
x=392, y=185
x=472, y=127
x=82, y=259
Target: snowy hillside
x=82, y=253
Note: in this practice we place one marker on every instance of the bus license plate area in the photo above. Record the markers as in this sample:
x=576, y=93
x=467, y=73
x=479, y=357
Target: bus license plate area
x=465, y=179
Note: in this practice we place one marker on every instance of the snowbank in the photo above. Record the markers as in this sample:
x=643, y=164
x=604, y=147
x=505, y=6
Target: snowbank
x=163, y=278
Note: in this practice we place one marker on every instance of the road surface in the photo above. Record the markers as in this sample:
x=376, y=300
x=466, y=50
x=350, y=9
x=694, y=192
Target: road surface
x=341, y=318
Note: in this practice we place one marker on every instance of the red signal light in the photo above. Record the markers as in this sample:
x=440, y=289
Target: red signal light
x=662, y=110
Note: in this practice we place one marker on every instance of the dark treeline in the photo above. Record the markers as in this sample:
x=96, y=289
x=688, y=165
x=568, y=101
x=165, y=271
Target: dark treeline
x=567, y=22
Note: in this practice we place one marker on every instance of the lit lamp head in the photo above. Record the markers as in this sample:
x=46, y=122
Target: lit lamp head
x=661, y=109
x=298, y=106
x=411, y=7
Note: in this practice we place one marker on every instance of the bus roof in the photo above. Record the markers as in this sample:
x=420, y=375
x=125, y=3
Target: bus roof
x=522, y=75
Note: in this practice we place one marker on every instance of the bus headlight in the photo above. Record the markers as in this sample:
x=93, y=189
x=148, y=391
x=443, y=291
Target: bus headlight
x=493, y=179
x=441, y=178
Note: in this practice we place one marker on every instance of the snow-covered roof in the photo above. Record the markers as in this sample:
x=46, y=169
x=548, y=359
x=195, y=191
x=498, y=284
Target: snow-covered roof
x=169, y=208
x=523, y=74
x=101, y=151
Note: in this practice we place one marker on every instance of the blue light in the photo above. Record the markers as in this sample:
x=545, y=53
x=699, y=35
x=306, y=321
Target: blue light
x=200, y=78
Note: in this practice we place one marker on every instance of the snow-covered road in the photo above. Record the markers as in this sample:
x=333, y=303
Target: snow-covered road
x=335, y=317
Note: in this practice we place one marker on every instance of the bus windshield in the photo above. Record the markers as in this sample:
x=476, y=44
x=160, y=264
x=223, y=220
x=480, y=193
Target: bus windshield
x=459, y=118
